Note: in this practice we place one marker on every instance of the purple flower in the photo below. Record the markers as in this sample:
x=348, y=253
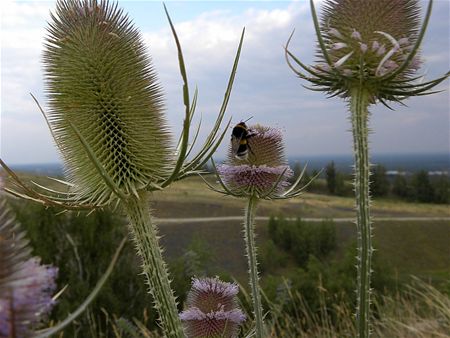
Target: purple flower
x=212, y=309
x=264, y=171
x=29, y=300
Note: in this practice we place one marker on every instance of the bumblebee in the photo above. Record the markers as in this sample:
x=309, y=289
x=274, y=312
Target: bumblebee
x=239, y=140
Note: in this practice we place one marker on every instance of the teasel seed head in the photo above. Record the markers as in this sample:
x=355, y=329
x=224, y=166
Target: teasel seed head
x=371, y=43
x=104, y=95
x=212, y=309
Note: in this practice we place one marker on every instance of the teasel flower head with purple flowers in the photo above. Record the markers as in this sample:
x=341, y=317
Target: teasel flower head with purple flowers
x=26, y=286
x=374, y=43
x=263, y=173
x=212, y=309
x=259, y=172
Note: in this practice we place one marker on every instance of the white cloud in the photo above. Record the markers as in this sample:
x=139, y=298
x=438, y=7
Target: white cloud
x=264, y=87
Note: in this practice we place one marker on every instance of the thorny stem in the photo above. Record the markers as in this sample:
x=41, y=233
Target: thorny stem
x=359, y=103
x=250, y=246
x=146, y=239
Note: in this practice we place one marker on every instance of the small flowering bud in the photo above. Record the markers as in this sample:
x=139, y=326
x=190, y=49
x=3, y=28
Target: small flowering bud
x=323, y=67
x=381, y=50
x=363, y=47
x=356, y=35
x=335, y=32
x=265, y=169
x=403, y=41
x=212, y=309
x=375, y=46
x=338, y=45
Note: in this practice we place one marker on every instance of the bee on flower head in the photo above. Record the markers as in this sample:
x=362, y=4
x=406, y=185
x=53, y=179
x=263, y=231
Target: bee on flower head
x=239, y=140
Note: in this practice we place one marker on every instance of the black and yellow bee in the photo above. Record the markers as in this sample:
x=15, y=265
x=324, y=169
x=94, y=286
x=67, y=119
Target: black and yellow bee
x=239, y=140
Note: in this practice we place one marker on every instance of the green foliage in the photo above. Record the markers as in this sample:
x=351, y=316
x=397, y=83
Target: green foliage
x=196, y=261
x=424, y=190
x=335, y=181
x=402, y=188
x=330, y=172
x=442, y=190
x=323, y=284
x=302, y=239
x=271, y=257
x=379, y=184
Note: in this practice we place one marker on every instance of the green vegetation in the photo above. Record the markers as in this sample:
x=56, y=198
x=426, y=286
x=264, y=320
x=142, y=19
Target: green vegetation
x=419, y=187
x=315, y=259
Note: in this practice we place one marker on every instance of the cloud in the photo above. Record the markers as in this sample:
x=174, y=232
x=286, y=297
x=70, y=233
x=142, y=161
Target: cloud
x=265, y=87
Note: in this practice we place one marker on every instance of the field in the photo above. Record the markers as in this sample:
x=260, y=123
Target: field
x=411, y=247
x=191, y=198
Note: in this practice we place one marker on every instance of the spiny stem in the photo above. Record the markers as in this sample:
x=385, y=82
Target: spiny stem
x=146, y=239
x=359, y=104
x=250, y=246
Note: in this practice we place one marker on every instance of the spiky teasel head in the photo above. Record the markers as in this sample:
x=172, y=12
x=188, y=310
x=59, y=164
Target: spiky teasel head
x=263, y=169
x=104, y=95
x=212, y=309
x=371, y=43
x=26, y=286
x=106, y=112
x=263, y=173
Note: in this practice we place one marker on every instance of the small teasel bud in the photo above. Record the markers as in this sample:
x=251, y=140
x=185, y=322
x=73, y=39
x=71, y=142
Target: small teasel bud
x=212, y=309
x=102, y=88
x=264, y=166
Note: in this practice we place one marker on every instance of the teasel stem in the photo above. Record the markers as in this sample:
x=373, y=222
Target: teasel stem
x=359, y=104
x=146, y=239
x=250, y=246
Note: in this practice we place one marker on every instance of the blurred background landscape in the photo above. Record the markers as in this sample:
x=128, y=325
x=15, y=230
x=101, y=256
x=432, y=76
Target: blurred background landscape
x=306, y=245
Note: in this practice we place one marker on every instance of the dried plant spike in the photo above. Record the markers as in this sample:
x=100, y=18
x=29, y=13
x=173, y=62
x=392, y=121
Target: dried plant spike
x=212, y=310
x=101, y=83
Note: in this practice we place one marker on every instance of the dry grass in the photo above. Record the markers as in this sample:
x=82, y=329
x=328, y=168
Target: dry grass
x=192, y=198
x=420, y=311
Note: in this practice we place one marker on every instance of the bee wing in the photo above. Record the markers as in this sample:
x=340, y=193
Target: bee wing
x=235, y=142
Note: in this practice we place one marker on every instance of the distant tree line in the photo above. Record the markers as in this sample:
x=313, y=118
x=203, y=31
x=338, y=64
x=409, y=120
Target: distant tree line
x=419, y=187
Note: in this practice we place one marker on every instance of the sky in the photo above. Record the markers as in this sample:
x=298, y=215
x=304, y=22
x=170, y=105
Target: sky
x=265, y=88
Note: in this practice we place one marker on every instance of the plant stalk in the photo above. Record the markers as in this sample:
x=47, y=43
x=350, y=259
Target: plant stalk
x=359, y=104
x=145, y=236
x=250, y=246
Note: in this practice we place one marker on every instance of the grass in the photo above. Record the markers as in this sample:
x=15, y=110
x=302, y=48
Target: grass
x=190, y=198
x=409, y=248
x=420, y=311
